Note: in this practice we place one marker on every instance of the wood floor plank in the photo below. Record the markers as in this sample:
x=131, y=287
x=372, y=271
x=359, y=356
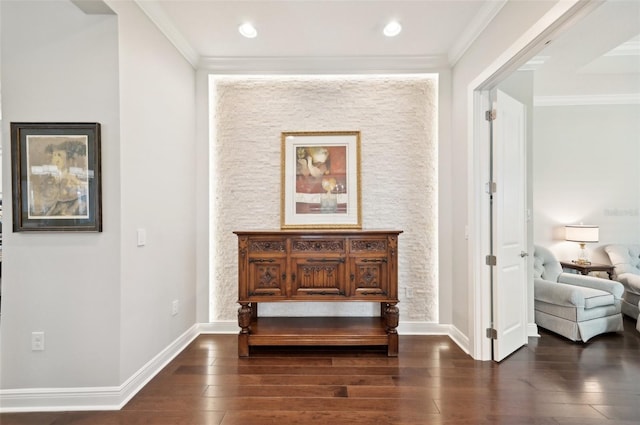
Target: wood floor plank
x=583, y=421
x=158, y=388
x=274, y=361
x=299, y=370
x=626, y=412
x=531, y=408
x=329, y=418
x=120, y=418
x=360, y=380
x=410, y=362
x=277, y=391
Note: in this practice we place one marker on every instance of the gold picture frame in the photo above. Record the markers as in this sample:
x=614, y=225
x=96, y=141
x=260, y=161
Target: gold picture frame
x=320, y=180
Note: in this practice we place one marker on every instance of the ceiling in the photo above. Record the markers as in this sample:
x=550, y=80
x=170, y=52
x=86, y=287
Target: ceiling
x=435, y=31
x=599, y=54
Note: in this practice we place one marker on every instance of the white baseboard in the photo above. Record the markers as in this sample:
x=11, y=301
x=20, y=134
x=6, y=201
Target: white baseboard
x=60, y=399
x=114, y=398
x=532, y=330
x=422, y=328
x=430, y=328
x=219, y=327
x=459, y=338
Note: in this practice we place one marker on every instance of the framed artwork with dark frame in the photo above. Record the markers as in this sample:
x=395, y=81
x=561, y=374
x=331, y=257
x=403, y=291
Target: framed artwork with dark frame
x=320, y=180
x=56, y=177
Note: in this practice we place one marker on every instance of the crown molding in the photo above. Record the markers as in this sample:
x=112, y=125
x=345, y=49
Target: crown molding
x=158, y=16
x=628, y=48
x=323, y=64
x=485, y=15
x=93, y=7
x=584, y=100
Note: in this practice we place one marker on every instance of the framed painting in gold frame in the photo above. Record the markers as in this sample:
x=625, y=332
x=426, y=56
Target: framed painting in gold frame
x=320, y=180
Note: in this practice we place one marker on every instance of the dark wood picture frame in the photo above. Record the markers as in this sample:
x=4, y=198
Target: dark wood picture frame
x=56, y=177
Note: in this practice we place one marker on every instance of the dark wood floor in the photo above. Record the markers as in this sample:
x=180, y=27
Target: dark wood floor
x=550, y=381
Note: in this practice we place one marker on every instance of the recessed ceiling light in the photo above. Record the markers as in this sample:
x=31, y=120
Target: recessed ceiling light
x=392, y=29
x=248, y=30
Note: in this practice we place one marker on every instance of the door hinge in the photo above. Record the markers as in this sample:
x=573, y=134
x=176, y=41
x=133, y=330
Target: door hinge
x=491, y=260
x=490, y=187
x=492, y=333
x=491, y=115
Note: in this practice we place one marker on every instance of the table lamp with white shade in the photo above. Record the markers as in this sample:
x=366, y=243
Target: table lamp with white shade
x=582, y=233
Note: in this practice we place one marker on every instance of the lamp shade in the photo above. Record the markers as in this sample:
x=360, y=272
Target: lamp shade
x=582, y=233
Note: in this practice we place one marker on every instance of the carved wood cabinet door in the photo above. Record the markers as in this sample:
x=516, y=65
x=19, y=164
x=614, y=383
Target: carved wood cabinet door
x=318, y=277
x=369, y=277
x=369, y=268
x=267, y=277
x=318, y=265
x=267, y=268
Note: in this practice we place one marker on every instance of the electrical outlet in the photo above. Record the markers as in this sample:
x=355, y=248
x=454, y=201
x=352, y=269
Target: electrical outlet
x=408, y=292
x=37, y=341
x=174, y=307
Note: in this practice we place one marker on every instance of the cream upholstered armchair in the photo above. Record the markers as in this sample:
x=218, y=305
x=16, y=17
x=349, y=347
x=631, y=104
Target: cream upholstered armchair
x=574, y=306
x=626, y=264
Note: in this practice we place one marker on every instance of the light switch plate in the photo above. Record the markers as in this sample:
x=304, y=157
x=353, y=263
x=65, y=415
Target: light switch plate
x=142, y=237
x=37, y=341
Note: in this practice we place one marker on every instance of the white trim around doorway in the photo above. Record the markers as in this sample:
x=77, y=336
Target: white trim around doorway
x=557, y=19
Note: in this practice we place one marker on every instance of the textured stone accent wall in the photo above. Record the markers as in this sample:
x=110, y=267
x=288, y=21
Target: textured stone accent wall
x=397, y=118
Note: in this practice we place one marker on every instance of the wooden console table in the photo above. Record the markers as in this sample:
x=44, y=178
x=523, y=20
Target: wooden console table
x=318, y=265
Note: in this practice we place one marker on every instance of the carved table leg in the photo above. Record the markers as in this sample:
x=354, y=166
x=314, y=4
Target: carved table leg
x=244, y=321
x=392, y=318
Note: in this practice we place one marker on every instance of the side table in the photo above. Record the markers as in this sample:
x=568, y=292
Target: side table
x=585, y=269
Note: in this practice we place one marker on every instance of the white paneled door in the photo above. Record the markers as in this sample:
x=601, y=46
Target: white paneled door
x=509, y=229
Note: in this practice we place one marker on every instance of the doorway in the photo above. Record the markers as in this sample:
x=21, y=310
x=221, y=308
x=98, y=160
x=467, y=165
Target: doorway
x=482, y=299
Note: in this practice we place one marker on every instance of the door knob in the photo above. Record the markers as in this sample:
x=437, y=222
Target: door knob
x=523, y=254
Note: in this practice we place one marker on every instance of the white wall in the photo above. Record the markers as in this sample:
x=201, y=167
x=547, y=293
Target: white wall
x=586, y=170
x=157, y=109
x=202, y=205
x=446, y=162
x=103, y=303
x=397, y=118
x=59, y=64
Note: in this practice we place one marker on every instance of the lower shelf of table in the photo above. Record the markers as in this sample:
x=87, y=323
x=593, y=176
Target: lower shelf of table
x=327, y=331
